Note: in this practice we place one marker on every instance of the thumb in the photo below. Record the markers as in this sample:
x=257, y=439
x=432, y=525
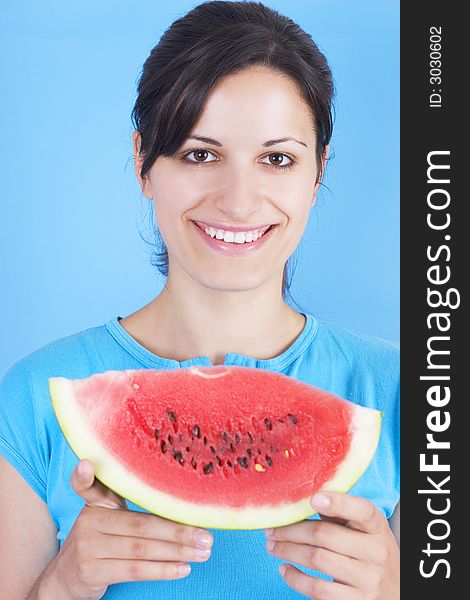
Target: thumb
x=94, y=493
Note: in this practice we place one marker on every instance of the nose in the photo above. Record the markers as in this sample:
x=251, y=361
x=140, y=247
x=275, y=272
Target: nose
x=240, y=196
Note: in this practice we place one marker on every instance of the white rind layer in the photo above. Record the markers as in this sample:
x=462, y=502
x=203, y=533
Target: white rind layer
x=366, y=425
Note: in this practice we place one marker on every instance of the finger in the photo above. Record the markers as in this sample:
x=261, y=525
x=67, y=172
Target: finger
x=108, y=571
x=342, y=568
x=94, y=493
x=333, y=520
x=313, y=587
x=357, y=512
x=143, y=525
x=331, y=536
x=121, y=547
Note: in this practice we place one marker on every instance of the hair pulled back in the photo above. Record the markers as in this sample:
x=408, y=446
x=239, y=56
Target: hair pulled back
x=215, y=39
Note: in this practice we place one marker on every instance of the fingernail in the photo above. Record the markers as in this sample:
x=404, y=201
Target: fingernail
x=268, y=532
x=320, y=501
x=203, y=539
x=84, y=469
x=270, y=545
x=202, y=552
x=183, y=570
x=283, y=569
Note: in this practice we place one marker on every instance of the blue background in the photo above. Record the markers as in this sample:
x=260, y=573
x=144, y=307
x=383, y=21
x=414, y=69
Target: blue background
x=71, y=208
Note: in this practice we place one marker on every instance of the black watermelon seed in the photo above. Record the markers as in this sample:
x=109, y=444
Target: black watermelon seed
x=197, y=431
x=208, y=468
x=187, y=448
x=238, y=439
x=180, y=437
x=225, y=436
x=171, y=416
x=249, y=451
x=251, y=437
x=243, y=462
x=229, y=463
x=268, y=424
x=259, y=451
x=193, y=463
x=178, y=456
x=204, y=440
x=232, y=447
x=157, y=434
x=170, y=439
x=163, y=446
x=269, y=461
x=212, y=449
x=219, y=462
x=293, y=419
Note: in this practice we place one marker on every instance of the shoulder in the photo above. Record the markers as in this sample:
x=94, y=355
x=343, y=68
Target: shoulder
x=24, y=392
x=353, y=365
x=62, y=352
x=29, y=433
x=357, y=347
x=64, y=355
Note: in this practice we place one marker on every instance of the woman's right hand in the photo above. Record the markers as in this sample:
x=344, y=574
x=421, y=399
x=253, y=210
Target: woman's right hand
x=111, y=544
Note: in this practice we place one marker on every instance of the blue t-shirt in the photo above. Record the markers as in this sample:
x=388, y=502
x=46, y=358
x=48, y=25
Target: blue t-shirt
x=361, y=369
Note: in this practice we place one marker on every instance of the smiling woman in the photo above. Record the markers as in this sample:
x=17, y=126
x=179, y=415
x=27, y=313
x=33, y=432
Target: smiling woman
x=288, y=98
x=250, y=185
x=231, y=130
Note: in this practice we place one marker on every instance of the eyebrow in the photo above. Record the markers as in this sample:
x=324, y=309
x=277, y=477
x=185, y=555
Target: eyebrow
x=267, y=144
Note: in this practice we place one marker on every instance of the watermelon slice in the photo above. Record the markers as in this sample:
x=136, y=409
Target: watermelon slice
x=221, y=447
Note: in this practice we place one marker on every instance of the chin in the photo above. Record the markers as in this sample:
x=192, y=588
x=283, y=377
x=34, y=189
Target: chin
x=226, y=275
x=234, y=283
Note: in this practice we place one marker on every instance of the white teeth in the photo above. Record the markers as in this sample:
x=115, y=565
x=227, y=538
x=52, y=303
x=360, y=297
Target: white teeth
x=240, y=237
x=212, y=231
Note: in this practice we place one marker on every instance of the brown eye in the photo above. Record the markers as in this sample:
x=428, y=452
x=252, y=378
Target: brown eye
x=200, y=156
x=276, y=159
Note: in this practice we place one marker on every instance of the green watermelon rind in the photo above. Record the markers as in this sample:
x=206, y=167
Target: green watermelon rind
x=366, y=427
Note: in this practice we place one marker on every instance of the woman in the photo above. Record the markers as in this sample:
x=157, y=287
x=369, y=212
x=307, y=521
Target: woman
x=232, y=125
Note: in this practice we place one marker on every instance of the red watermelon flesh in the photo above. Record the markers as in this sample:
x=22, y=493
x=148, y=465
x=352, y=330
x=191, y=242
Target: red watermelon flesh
x=236, y=441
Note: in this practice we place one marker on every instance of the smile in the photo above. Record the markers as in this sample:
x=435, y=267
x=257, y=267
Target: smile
x=236, y=242
x=237, y=237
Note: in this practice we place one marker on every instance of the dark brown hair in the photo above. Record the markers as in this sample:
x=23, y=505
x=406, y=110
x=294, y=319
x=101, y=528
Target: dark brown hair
x=211, y=41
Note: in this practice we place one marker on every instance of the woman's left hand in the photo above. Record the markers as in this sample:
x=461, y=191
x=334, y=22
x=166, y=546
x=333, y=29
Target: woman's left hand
x=354, y=545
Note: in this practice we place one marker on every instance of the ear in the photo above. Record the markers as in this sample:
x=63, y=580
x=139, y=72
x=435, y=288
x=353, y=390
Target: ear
x=138, y=161
x=320, y=178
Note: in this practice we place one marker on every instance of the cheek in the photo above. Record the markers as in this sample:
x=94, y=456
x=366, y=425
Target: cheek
x=293, y=198
x=173, y=198
x=172, y=190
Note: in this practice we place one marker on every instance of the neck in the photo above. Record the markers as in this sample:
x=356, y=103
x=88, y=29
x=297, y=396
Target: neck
x=188, y=320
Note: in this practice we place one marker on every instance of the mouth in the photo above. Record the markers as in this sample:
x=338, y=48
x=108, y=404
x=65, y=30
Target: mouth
x=236, y=240
x=234, y=235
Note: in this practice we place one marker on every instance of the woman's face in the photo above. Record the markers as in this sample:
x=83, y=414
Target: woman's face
x=235, y=177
